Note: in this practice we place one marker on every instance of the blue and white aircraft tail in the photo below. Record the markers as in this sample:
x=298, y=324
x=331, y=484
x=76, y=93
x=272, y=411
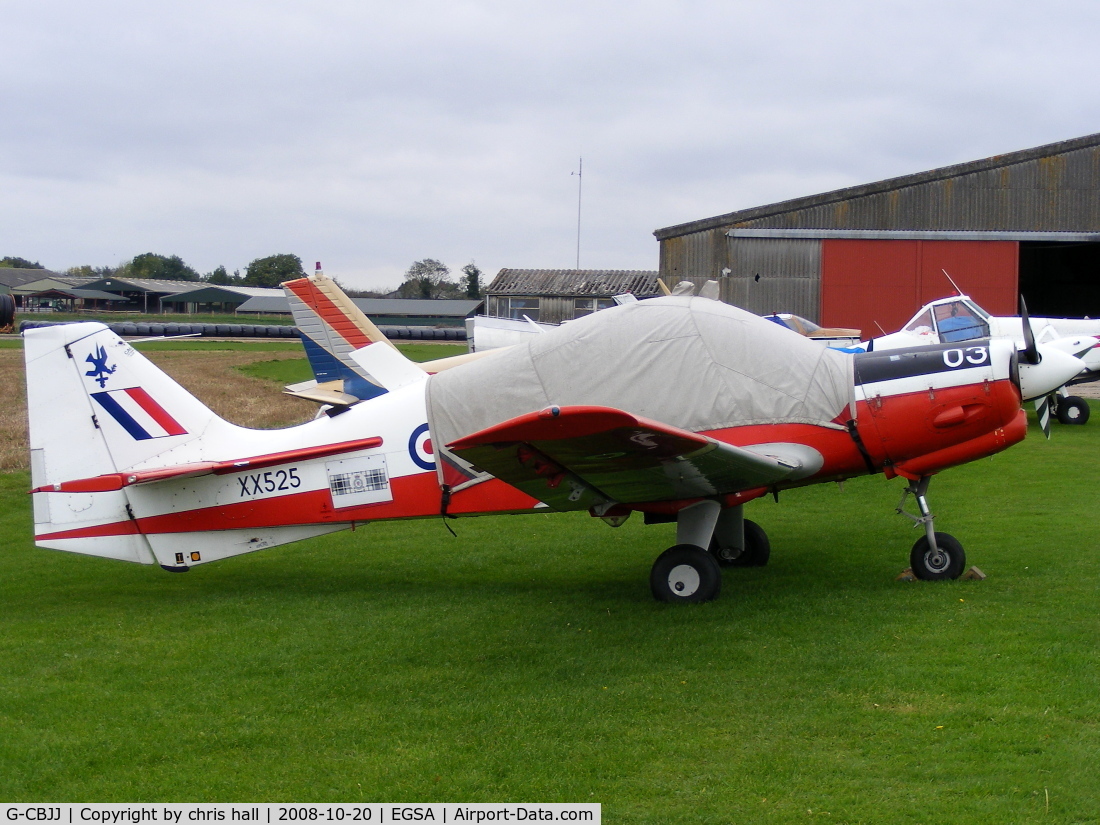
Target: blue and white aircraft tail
x=333, y=328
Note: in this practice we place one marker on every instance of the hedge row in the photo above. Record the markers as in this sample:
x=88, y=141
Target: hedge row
x=146, y=330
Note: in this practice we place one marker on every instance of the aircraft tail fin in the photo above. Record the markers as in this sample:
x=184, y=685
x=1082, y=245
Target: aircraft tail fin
x=351, y=359
x=332, y=327
x=115, y=443
x=96, y=407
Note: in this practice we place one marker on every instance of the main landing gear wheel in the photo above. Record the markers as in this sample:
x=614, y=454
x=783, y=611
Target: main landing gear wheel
x=1072, y=410
x=685, y=573
x=756, y=553
x=947, y=561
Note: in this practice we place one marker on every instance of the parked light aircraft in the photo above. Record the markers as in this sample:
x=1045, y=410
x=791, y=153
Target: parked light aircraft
x=959, y=319
x=680, y=408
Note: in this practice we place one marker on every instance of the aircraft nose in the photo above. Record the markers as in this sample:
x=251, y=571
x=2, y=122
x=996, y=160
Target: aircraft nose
x=1054, y=369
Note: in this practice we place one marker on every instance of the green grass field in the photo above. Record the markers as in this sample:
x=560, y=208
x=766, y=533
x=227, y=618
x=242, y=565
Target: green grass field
x=525, y=661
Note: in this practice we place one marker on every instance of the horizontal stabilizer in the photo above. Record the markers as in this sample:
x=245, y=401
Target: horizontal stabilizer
x=116, y=481
x=330, y=392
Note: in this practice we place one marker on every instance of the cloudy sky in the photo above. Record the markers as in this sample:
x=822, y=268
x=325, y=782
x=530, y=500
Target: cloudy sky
x=368, y=135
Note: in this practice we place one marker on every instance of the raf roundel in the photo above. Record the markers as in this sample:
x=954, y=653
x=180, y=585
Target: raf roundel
x=420, y=448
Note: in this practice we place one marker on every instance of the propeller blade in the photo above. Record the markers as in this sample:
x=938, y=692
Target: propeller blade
x=1030, y=352
x=1042, y=410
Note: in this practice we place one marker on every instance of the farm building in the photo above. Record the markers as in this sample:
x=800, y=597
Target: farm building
x=868, y=256
x=12, y=278
x=551, y=296
x=215, y=297
x=64, y=293
x=141, y=294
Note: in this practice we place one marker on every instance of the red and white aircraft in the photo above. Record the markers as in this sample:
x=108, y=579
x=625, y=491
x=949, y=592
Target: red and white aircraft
x=681, y=408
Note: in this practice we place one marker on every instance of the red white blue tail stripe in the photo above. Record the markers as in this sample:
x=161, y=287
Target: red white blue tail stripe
x=137, y=413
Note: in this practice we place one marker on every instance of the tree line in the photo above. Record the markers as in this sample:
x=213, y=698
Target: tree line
x=426, y=278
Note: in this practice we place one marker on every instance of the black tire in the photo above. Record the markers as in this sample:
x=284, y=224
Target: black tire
x=685, y=573
x=948, y=563
x=1073, y=410
x=758, y=549
x=7, y=310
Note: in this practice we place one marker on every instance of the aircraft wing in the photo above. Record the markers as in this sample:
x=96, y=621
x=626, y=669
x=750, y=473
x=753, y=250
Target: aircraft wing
x=575, y=458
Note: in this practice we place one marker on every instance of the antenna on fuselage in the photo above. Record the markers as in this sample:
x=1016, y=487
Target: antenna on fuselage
x=953, y=284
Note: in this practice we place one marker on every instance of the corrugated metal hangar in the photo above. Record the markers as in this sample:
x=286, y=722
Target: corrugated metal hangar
x=869, y=256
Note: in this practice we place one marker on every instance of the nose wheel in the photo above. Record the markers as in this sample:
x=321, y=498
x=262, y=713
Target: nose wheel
x=945, y=560
x=935, y=556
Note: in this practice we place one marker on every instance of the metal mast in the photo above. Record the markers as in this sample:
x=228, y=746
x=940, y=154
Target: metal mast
x=580, y=174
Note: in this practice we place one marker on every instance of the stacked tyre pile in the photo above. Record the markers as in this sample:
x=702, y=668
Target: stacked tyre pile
x=423, y=333
x=7, y=312
x=168, y=330
x=156, y=330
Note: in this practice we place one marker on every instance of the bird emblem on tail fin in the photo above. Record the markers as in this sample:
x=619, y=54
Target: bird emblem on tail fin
x=99, y=371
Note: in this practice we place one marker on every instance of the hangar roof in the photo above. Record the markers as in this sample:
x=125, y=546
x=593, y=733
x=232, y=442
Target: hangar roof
x=221, y=293
x=574, y=282
x=13, y=277
x=1051, y=188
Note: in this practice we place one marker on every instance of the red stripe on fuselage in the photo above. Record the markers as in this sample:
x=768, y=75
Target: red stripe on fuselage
x=415, y=496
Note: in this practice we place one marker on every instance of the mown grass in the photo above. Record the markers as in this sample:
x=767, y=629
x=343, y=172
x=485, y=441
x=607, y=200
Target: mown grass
x=524, y=660
x=291, y=371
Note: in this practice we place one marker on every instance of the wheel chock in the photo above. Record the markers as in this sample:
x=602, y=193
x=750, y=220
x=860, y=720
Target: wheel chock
x=974, y=574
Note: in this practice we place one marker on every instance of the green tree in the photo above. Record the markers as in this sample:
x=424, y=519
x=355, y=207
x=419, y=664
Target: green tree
x=427, y=278
x=19, y=263
x=274, y=270
x=222, y=277
x=473, y=280
x=86, y=271
x=151, y=265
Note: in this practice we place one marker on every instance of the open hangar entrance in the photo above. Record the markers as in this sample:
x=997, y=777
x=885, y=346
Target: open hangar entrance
x=1061, y=280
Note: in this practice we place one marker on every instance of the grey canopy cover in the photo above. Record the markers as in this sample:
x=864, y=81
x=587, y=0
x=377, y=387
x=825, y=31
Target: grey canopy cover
x=691, y=363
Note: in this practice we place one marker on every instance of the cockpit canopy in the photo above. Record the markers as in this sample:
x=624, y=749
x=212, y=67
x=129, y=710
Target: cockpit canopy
x=952, y=319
